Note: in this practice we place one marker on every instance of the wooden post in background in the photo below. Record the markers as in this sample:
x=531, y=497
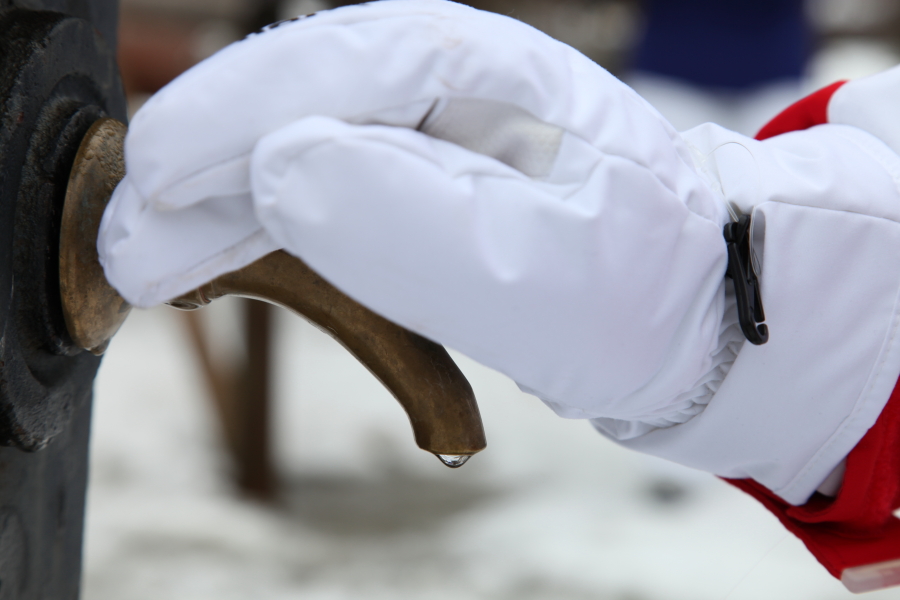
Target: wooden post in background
x=240, y=392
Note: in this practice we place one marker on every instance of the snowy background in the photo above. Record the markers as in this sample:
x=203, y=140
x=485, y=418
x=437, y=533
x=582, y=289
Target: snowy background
x=550, y=510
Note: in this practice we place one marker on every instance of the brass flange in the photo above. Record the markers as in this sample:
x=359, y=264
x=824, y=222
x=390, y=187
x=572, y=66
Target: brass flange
x=419, y=373
x=93, y=310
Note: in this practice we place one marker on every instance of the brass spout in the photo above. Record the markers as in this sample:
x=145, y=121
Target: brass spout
x=419, y=373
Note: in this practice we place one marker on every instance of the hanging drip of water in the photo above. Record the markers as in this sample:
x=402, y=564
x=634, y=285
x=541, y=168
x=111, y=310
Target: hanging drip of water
x=454, y=461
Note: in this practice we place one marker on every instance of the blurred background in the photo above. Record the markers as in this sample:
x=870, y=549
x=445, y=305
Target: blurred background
x=240, y=453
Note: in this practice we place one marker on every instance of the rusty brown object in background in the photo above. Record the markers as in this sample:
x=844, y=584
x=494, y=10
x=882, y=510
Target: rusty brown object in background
x=153, y=51
x=241, y=395
x=419, y=373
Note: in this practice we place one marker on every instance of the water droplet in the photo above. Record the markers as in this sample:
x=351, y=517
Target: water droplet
x=454, y=461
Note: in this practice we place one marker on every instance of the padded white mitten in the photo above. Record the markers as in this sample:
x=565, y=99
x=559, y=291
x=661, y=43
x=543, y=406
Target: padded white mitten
x=492, y=189
x=561, y=235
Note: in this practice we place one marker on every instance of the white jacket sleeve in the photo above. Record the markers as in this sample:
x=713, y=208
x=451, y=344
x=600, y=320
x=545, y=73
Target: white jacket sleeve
x=483, y=185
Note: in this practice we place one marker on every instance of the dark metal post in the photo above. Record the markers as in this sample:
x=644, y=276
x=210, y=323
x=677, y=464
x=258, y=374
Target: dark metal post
x=57, y=76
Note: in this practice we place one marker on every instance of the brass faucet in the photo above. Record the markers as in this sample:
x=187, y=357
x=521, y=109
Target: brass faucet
x=418, y=372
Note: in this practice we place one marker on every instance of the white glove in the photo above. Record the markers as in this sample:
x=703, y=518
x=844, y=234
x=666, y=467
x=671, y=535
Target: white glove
x=585, y=259
x=483, y=185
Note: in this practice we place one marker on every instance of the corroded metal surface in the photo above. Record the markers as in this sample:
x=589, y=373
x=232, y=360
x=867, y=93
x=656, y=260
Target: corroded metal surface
x=93, y=310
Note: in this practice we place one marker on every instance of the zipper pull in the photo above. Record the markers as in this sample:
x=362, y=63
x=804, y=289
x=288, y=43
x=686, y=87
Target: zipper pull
x=743, y=269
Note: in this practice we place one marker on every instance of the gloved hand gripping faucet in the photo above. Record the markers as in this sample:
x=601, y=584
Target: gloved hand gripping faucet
x=492, y=189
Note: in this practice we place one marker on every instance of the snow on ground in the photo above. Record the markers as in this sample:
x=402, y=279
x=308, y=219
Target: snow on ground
x=549, y=511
